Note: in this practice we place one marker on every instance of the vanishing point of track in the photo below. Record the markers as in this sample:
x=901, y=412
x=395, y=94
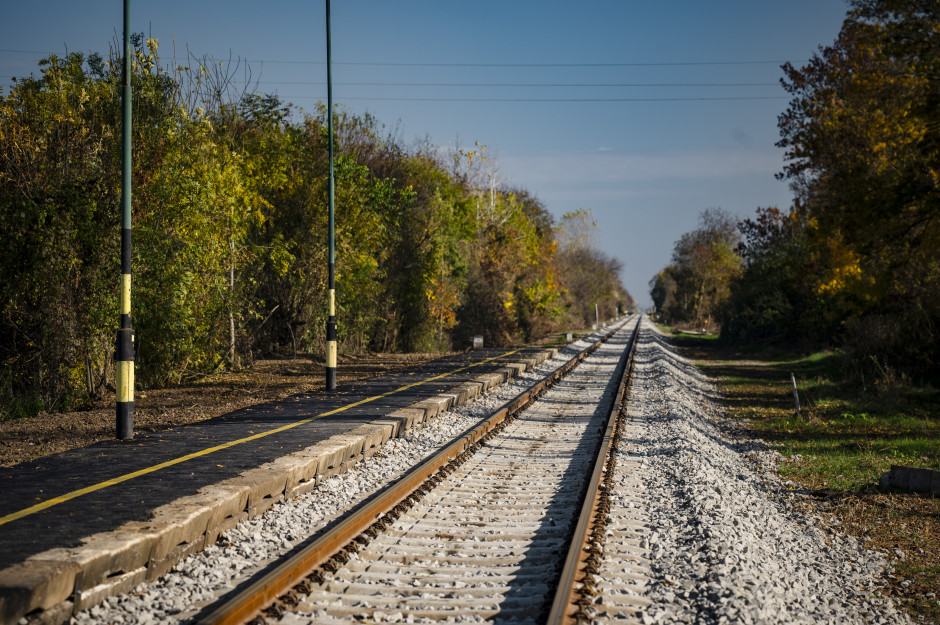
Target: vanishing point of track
x=502, y=524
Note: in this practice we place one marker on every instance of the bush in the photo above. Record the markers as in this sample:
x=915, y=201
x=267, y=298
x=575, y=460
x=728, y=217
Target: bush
x=886, y=349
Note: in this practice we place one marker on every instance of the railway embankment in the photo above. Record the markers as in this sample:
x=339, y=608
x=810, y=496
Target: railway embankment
x=834, y=455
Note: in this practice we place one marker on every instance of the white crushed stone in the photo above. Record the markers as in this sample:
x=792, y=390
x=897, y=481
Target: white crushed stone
x=513, y=485
x=203, y=577
x=726, y=544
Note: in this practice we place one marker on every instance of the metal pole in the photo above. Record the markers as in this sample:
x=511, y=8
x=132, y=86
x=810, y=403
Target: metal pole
x=331, y=270
x=124, y=357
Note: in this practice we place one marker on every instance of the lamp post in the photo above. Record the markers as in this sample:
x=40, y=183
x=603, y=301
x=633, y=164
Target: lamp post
x=124, y=356
x=331, y=268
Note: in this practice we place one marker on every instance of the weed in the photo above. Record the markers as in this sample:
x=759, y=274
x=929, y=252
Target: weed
x=19, y=408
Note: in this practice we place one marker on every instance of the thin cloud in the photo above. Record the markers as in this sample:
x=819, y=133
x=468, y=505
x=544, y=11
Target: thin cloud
x=612, y=167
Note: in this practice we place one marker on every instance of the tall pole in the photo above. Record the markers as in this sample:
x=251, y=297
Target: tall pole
x=331, y=269
x=124, y=376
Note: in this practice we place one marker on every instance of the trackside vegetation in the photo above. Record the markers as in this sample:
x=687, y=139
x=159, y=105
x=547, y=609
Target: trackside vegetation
x=229, y=227
x=854, y=264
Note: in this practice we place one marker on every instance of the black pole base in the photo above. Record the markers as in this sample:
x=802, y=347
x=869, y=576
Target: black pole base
x=125, y=420
x=331, y=378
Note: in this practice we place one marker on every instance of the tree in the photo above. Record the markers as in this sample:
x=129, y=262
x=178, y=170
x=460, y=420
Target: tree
x=59, y=189
x=590, y=277
x=773, y=299
x=229, y=221
x=861, y=135
x=704, y=263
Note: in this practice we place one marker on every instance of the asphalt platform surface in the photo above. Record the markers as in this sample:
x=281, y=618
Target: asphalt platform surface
x=65, y=524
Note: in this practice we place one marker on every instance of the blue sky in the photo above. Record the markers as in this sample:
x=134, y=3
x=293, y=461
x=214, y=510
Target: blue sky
x=601, y=105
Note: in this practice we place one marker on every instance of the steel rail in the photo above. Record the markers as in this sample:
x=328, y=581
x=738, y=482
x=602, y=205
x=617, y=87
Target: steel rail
x=566, y=606
x=341, y=539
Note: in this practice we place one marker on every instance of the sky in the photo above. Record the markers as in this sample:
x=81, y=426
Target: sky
x=645, y=113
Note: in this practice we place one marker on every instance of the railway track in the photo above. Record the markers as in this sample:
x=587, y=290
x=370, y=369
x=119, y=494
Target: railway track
x=502, y=525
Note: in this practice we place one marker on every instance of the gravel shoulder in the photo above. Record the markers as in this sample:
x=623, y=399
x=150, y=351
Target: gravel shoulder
x=729, y=541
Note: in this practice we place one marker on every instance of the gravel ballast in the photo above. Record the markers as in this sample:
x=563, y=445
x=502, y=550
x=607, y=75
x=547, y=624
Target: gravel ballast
x=716, y=536
x=726, y=543
x=483, y=544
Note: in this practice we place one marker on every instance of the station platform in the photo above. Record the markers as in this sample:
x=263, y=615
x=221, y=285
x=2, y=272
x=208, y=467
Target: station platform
x=82, y=525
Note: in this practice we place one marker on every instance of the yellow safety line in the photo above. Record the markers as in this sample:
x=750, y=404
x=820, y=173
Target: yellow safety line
x=205, y=452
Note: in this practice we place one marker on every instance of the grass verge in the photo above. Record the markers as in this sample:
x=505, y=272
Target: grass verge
x=837, y=448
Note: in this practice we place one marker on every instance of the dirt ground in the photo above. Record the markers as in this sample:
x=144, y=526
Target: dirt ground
x=29, y=438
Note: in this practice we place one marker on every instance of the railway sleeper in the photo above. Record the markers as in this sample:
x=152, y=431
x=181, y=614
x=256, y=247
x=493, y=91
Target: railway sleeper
x=378, y=572
x=420, y=589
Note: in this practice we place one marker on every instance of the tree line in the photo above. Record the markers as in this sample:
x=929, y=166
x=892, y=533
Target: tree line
x=855, y=262
x=230, y=231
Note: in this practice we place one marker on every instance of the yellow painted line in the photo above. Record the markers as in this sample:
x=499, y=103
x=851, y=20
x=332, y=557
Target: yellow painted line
x=205, y=452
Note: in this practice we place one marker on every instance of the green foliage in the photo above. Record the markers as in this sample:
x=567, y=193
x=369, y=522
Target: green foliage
x=856, y=262
x=697, y=284
x=773, y=299
x=229, y=234
x=588, y=276
x=192, y=218
x=56, y=187
x=863, y=151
